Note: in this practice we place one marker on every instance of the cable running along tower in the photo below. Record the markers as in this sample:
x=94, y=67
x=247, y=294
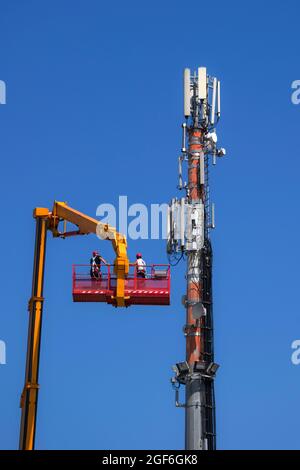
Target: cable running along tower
x=190, y=220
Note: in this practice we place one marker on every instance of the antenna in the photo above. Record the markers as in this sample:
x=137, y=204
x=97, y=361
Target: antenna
x=187, y=92
x=202, y=83
x=180, y=172
x=219, y=99
x=182, y=221
x=213, y=225
x=168, y=224
x=183, y=138
x=213, y=102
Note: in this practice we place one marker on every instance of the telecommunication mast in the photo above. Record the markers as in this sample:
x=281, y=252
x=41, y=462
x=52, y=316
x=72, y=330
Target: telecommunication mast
x=190, y=221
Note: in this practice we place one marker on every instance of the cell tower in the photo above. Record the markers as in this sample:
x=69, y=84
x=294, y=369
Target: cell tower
x=189, y=223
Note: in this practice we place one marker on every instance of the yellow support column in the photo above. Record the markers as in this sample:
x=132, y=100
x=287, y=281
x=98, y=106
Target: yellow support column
x=29, y=396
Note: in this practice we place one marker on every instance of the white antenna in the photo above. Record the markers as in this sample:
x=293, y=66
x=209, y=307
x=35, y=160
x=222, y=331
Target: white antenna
x=183, y=137
x=202, y=83
x=187, y=92
x=169, y=224
x=182, y=221
x=213, y=102
x=180, y=172
x=219, y=99
x=213, y=225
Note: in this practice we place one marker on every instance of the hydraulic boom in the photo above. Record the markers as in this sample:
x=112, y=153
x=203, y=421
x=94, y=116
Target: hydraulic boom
x=50, y=220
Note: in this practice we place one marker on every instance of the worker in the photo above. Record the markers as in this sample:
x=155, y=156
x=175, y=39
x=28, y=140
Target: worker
x=95, y=263
x=140, y=266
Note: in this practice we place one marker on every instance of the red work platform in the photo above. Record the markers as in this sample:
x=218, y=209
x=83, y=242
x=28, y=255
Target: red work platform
x=154, y=289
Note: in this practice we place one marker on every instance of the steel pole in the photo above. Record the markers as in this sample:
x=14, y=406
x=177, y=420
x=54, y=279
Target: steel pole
x=194, y=392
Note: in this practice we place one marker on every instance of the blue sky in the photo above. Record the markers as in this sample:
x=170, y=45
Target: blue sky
x=94, y=109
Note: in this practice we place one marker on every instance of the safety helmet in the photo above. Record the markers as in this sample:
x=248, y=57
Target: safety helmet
x=95, y=253
x=139, y=255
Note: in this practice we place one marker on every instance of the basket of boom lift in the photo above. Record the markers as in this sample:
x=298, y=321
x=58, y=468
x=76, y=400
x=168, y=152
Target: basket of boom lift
x=100, y=286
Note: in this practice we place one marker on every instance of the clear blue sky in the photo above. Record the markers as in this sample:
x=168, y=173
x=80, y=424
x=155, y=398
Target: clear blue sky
x=94, y=108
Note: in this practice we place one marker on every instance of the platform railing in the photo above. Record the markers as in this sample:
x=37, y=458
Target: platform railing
x=156, y=276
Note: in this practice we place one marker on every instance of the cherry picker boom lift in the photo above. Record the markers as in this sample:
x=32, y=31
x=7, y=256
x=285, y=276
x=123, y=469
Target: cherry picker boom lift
x=119, y=288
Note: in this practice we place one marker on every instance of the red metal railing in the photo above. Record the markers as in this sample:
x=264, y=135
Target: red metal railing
x=156, y=280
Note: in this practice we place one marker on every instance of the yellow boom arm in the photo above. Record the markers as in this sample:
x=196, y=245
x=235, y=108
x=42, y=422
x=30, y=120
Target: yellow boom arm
x=49, y=220
x=61, y=211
